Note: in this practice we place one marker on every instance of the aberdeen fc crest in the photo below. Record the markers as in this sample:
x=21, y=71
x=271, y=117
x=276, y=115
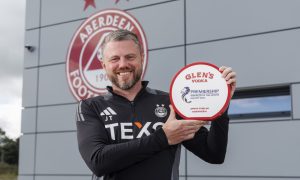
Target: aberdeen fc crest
x=160, y=111
x=86, y=77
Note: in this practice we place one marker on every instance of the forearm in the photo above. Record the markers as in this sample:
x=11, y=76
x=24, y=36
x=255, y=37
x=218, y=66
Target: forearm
x=217, y=139
x=211, y=145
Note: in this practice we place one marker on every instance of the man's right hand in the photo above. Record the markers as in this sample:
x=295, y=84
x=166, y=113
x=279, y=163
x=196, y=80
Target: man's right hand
x=180, y=130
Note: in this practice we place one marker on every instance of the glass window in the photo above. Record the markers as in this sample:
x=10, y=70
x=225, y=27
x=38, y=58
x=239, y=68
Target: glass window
x=275, y=102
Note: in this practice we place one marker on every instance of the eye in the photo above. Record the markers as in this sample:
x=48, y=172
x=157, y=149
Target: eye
x=131, y=57
x=114, y=59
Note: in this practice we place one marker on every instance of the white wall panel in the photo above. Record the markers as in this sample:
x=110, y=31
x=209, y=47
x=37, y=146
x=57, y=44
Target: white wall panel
x=26, y=154
x=213, y=19
x=163, y=24
x=256, y=149
x=32, y=13
x=55, y=42
x=295, y=89
x=268, y=59
x=56, y=118
x=29, y=91
x=53, y=86
x=31, y=39
x=54, y=11
x=58, y=154
x=162, y=66
x=28, y=120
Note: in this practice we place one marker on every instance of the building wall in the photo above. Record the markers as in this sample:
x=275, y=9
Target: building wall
x=259, y=39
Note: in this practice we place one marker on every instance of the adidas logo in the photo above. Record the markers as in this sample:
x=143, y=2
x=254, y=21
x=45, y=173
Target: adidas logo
x=108, y=113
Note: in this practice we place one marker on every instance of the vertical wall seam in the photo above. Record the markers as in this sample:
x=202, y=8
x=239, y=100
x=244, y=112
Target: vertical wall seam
x=184, y=31
x=292, y=104
x=184, y=21
x=37, y=91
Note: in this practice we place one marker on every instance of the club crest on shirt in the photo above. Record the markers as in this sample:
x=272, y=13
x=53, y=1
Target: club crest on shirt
x=160, y=111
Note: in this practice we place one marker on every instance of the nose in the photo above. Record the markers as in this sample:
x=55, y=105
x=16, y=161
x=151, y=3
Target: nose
x=123, y=62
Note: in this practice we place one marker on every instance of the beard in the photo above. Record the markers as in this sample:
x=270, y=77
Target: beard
x=128, y=83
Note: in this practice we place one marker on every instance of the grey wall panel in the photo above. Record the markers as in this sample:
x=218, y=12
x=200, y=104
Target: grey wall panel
x=29, y=92
x=258, y=60
x=56, y=118
x=32, y=14
x=256, y=149
x=31, y=39
x=163, y=24
x=162, y=66
x=63, y=177
x=182, y=162
x=57, y=153
x=207, y=20
x=296, y=101
x=262, y=150
x=25, y=177
x=238, y=178
x=54, y=11
x=26, y=154
x=28, y=120
x=53, y=86
x=55, y=49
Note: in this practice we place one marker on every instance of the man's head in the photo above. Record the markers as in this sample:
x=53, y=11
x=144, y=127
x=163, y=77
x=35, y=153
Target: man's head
x=122, y=58
x=120, y=35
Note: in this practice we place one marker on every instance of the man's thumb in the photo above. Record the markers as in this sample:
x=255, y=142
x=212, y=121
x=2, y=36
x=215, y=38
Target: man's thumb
x=172, y=115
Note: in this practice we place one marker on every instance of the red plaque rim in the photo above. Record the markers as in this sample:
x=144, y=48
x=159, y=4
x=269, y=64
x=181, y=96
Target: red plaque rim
x=218, y=114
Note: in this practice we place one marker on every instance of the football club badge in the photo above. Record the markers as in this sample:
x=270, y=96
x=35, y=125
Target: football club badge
x=160, y=111
x=86, y=76
x=198, y=91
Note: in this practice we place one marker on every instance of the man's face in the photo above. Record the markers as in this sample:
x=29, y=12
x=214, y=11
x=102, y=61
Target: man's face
x=123, y=63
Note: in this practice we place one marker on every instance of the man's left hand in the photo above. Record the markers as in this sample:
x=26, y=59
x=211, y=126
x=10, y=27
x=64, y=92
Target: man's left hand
x=230, y=76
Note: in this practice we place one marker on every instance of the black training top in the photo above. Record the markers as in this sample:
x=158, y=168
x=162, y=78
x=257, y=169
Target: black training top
x=121, y=139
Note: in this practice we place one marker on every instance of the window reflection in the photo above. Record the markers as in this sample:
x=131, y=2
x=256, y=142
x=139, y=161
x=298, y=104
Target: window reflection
x=269, y=106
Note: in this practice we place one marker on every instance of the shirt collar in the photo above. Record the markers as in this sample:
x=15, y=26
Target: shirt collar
x=144, y=86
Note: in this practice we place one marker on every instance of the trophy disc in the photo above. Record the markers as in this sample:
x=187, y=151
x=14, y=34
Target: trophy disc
x=198, y=91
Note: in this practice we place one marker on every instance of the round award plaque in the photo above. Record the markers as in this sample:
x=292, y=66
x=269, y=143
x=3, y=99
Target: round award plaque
x=198, y=91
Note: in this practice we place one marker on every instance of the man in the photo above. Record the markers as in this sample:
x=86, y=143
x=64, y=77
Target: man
x=119, y=135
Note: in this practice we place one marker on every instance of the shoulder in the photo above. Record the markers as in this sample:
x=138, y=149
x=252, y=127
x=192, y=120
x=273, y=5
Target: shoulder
x=156, y=92
x=99, y=98
x=94, y=101
x=92, y=105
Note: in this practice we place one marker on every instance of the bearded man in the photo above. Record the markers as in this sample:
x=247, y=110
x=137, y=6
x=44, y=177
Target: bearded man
x=119, y=135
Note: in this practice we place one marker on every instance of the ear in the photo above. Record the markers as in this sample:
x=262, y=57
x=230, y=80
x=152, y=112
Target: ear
x=142, y=55
x=103, y=64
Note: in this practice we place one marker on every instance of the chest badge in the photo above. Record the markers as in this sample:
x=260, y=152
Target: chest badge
x=160, y=111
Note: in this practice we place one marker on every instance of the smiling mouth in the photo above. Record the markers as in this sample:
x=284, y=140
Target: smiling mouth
x=124, y=73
